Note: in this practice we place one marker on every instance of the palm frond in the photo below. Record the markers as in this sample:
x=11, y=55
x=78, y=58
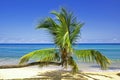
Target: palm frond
x=40, y=55
x=72, y=63
x=47, y=23
x=61, y=18
x=92, y=56
x=51, y=57
x=75, y=32
x=43, y=24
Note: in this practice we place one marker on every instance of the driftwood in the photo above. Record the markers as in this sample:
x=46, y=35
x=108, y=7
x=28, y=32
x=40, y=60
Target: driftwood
x=29, y=64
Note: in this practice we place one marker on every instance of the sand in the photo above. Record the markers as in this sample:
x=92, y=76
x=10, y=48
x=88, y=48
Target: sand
x=53, y=73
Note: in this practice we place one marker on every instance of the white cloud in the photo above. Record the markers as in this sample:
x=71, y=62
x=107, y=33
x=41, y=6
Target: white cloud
x=19, y=40
x=49, y=40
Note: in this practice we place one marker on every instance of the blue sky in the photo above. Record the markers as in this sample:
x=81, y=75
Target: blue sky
x=18, y=19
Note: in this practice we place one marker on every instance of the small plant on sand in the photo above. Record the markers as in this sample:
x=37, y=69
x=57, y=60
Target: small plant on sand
x=65, y=30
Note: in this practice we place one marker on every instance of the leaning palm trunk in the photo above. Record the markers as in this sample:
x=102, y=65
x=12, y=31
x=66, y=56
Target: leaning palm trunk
x=29, y=64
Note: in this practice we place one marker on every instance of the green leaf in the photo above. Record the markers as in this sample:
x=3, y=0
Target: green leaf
x=92, y=56
x=41, y=55
x=72, y=63
x=76, y=31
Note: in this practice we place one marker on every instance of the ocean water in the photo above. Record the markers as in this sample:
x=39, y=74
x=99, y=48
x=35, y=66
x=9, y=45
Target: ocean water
x=10, y=53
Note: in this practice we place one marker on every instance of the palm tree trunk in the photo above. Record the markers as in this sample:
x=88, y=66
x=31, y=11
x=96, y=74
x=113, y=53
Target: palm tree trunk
x=64, y=57
x=29, y=64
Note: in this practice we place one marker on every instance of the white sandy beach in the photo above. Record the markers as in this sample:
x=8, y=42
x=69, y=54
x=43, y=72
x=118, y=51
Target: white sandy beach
x=34, y=71
x=26, y=72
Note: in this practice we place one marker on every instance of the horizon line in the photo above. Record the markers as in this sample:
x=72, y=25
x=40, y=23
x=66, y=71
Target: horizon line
x=73, y=43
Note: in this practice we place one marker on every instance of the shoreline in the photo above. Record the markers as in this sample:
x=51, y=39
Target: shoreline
x=55, y=71
x=84, y=66
x=87, y=70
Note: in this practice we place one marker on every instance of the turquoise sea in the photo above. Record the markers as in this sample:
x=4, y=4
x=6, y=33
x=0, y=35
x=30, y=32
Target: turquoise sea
x=10, y=53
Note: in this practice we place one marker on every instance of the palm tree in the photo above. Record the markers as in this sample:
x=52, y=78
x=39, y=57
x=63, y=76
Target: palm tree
x=65, y=30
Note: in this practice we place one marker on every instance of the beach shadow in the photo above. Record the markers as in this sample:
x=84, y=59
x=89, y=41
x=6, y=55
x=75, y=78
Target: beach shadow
x=67, y=75
x=118, y=74
x=62, y=75
x=99, y=75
